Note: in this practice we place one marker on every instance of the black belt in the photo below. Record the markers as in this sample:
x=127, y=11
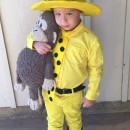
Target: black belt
x=67, y=91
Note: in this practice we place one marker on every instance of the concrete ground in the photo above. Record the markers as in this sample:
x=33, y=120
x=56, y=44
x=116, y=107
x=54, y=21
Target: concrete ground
x=24, y=119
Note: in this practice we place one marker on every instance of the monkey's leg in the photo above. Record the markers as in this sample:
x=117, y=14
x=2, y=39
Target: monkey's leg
x=33, y=101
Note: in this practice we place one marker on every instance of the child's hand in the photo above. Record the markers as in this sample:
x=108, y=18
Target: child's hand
x=88, y=103
x=42, y=48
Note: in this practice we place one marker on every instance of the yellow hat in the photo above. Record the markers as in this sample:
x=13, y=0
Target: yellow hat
x=88, y=9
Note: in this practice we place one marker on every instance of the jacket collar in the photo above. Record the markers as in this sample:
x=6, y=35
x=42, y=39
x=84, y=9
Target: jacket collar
x=73, y=32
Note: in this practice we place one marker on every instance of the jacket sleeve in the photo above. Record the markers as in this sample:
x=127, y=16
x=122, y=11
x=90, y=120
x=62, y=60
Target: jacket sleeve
x=30, y=41
x=95, y=65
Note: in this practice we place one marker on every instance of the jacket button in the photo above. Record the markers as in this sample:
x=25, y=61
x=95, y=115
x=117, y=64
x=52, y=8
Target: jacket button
x=60, y=40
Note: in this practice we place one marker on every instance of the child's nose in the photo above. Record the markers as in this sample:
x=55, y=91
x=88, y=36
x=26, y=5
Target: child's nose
x=63, y=19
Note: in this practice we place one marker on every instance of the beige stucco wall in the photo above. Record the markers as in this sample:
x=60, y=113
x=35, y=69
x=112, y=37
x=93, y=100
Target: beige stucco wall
x=17, y=19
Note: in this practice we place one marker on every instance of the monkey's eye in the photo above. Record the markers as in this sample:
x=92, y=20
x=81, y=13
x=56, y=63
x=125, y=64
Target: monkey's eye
x=38, y=21
x=40, y=25
x=43, y=24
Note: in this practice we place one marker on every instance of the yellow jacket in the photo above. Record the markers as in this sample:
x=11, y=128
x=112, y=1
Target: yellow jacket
x=81, y=57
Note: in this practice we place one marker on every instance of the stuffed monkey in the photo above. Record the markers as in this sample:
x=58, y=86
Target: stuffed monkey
x=35, y=70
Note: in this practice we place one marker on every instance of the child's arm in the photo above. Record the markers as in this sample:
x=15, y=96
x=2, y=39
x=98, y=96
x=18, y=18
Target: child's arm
x=42, y=48
x=95, y=65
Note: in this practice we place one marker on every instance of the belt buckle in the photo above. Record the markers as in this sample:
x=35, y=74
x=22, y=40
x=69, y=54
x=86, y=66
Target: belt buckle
x=64, y=91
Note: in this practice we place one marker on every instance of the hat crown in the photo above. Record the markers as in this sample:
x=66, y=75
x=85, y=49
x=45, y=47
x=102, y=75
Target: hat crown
x=68, y=0
x=88, y=8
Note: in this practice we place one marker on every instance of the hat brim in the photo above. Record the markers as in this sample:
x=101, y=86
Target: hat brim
x=88, y=9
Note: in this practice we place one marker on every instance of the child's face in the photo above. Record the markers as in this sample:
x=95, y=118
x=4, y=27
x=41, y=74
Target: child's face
x=67, y=19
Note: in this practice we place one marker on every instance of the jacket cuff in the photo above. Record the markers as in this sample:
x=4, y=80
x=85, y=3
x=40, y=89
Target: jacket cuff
x=91, y=96
x=30, y=41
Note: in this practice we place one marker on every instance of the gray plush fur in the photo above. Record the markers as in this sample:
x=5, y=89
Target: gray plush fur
x=33, y=68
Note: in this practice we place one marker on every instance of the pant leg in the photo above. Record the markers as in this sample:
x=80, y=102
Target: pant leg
x=72, y=110
x=68, y=128
x=55, y=115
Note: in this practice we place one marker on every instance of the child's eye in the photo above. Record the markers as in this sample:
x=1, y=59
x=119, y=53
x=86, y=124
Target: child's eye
x=69, y=14
x=57, y=14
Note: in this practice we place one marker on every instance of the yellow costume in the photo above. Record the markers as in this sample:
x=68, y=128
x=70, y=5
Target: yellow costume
x=77, y=55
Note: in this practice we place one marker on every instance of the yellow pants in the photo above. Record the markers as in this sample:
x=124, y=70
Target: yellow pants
x=64, y=106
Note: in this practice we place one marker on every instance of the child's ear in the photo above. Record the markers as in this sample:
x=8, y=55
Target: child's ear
x=81, y=13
